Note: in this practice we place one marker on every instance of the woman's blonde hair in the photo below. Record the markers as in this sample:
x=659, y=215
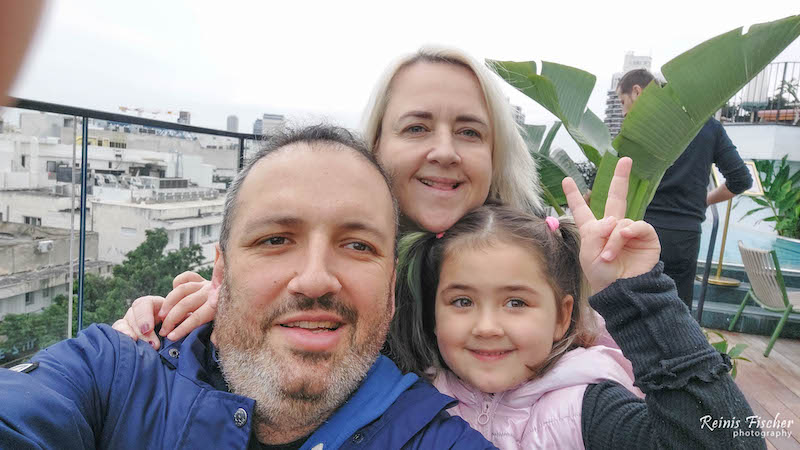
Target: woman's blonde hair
x=515, y=181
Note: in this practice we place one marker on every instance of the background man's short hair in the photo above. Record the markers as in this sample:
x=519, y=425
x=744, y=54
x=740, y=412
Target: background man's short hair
x=641, y=77
x=282, y=138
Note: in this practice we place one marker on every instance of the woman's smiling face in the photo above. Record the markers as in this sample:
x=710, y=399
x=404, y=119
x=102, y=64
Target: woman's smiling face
x=436, y=141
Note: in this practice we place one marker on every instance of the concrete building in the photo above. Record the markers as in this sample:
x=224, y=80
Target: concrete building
x=272, y=121
x=169, y=184
x=519, y=115
x=233, y=124
x=258, y=127
x=613, y=116
x=34, y=265
x=185, y=118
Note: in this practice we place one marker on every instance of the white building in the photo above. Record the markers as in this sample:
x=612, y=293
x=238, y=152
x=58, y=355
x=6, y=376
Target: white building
x=34, y=265
x=233, y=124
x=163, y=182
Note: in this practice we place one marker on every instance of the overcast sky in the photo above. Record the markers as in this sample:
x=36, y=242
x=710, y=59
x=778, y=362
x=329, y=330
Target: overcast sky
x=310, y=60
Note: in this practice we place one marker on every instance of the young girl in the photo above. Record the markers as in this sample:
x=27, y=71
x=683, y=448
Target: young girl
x=494, y=312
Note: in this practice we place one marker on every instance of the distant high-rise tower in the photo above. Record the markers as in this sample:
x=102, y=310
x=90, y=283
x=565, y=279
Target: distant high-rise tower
x=272, y=121
x=233, y=124
x=258, y=127
x=519, y=116
x=185, y=117
x=613, y=105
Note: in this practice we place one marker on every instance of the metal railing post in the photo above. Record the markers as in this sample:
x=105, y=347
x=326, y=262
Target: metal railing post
x=707, y=269
x=82, y=245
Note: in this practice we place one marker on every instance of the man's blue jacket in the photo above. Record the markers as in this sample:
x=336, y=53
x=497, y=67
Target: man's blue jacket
x=102, y=390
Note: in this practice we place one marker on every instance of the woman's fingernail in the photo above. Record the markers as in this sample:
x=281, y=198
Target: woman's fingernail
x=152, y=344
x=607, y=255
x=144, y=328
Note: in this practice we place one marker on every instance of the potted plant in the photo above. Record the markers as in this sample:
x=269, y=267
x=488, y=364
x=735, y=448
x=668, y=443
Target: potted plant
x=781, y=199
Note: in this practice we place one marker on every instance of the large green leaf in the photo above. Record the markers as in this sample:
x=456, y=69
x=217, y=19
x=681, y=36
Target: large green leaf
x=552, y=169
x=548, y=141
x=664, y=120
x=564, y=91
x=533, y=135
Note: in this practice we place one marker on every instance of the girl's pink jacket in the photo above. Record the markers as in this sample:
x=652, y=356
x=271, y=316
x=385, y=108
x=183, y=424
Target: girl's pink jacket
x=544, y=413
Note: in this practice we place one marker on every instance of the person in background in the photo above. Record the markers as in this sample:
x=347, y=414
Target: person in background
x=679, y=206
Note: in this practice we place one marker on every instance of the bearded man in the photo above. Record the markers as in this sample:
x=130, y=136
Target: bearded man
x=305, y=270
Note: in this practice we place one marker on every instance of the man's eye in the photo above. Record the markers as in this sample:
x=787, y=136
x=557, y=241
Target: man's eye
x=462, y=302
x=360, y=246
x=275, y=240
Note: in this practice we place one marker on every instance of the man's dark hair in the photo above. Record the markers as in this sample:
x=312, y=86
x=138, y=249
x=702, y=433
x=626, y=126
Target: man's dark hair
x=641, y=77
x=281, y=139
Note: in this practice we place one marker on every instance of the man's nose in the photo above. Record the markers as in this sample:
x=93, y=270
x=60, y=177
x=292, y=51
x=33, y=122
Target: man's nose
x=444, y=149
x=315, y=277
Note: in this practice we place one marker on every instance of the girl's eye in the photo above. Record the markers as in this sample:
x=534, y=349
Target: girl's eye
x=360, y=247
x=275, y=240
x=516, y=303
x=462, y=302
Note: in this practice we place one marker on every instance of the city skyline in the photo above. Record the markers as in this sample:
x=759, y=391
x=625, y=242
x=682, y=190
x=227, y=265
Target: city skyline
x=171, y=62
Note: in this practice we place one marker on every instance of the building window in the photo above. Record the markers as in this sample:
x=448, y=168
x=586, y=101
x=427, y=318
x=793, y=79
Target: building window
x=51, y=166
x=45, y=287
x=182, y=240
x=206, y=230
x=23, y=160
x=28, y=298
x=29, y=220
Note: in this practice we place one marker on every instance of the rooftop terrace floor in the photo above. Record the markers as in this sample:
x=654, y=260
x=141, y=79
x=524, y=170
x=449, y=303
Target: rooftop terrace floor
x=771, y=385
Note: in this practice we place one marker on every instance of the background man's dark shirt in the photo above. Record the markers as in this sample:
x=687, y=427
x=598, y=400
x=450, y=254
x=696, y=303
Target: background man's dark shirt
x=680, y=200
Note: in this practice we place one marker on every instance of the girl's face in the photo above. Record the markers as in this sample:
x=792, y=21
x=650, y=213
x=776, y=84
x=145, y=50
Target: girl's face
x=436, y=141
x=496, y=315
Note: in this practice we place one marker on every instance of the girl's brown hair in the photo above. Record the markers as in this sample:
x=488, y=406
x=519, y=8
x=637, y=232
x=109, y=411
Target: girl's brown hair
x=412, y=342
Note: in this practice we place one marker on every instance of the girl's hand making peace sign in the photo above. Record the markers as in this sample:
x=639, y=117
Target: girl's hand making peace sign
x=614, y=247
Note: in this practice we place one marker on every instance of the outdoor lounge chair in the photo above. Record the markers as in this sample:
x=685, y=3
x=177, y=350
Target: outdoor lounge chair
x=766, y=288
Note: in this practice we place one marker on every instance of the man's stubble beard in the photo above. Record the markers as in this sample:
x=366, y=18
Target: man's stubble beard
x=293, y=392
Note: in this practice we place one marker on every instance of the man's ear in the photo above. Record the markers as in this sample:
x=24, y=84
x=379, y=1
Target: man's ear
x=219, y=268
x=636, y=91
x=564, y=318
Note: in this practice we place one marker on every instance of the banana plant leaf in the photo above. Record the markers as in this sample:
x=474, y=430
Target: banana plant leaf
x=548, y=141
x=552, y=167
x=533, y=135
x=664, y=120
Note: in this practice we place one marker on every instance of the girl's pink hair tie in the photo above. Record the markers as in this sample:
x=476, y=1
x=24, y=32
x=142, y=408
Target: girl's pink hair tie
x=552, y=223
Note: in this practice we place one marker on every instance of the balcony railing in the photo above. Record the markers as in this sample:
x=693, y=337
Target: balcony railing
x=771, y=97
x=82, y=117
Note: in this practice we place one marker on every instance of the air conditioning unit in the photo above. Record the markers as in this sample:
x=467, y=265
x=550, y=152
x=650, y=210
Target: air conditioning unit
x=44, y=246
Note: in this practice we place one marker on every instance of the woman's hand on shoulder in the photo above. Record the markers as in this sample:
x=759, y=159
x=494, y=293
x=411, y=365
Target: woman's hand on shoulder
x=191, y=303
x=614, y=247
